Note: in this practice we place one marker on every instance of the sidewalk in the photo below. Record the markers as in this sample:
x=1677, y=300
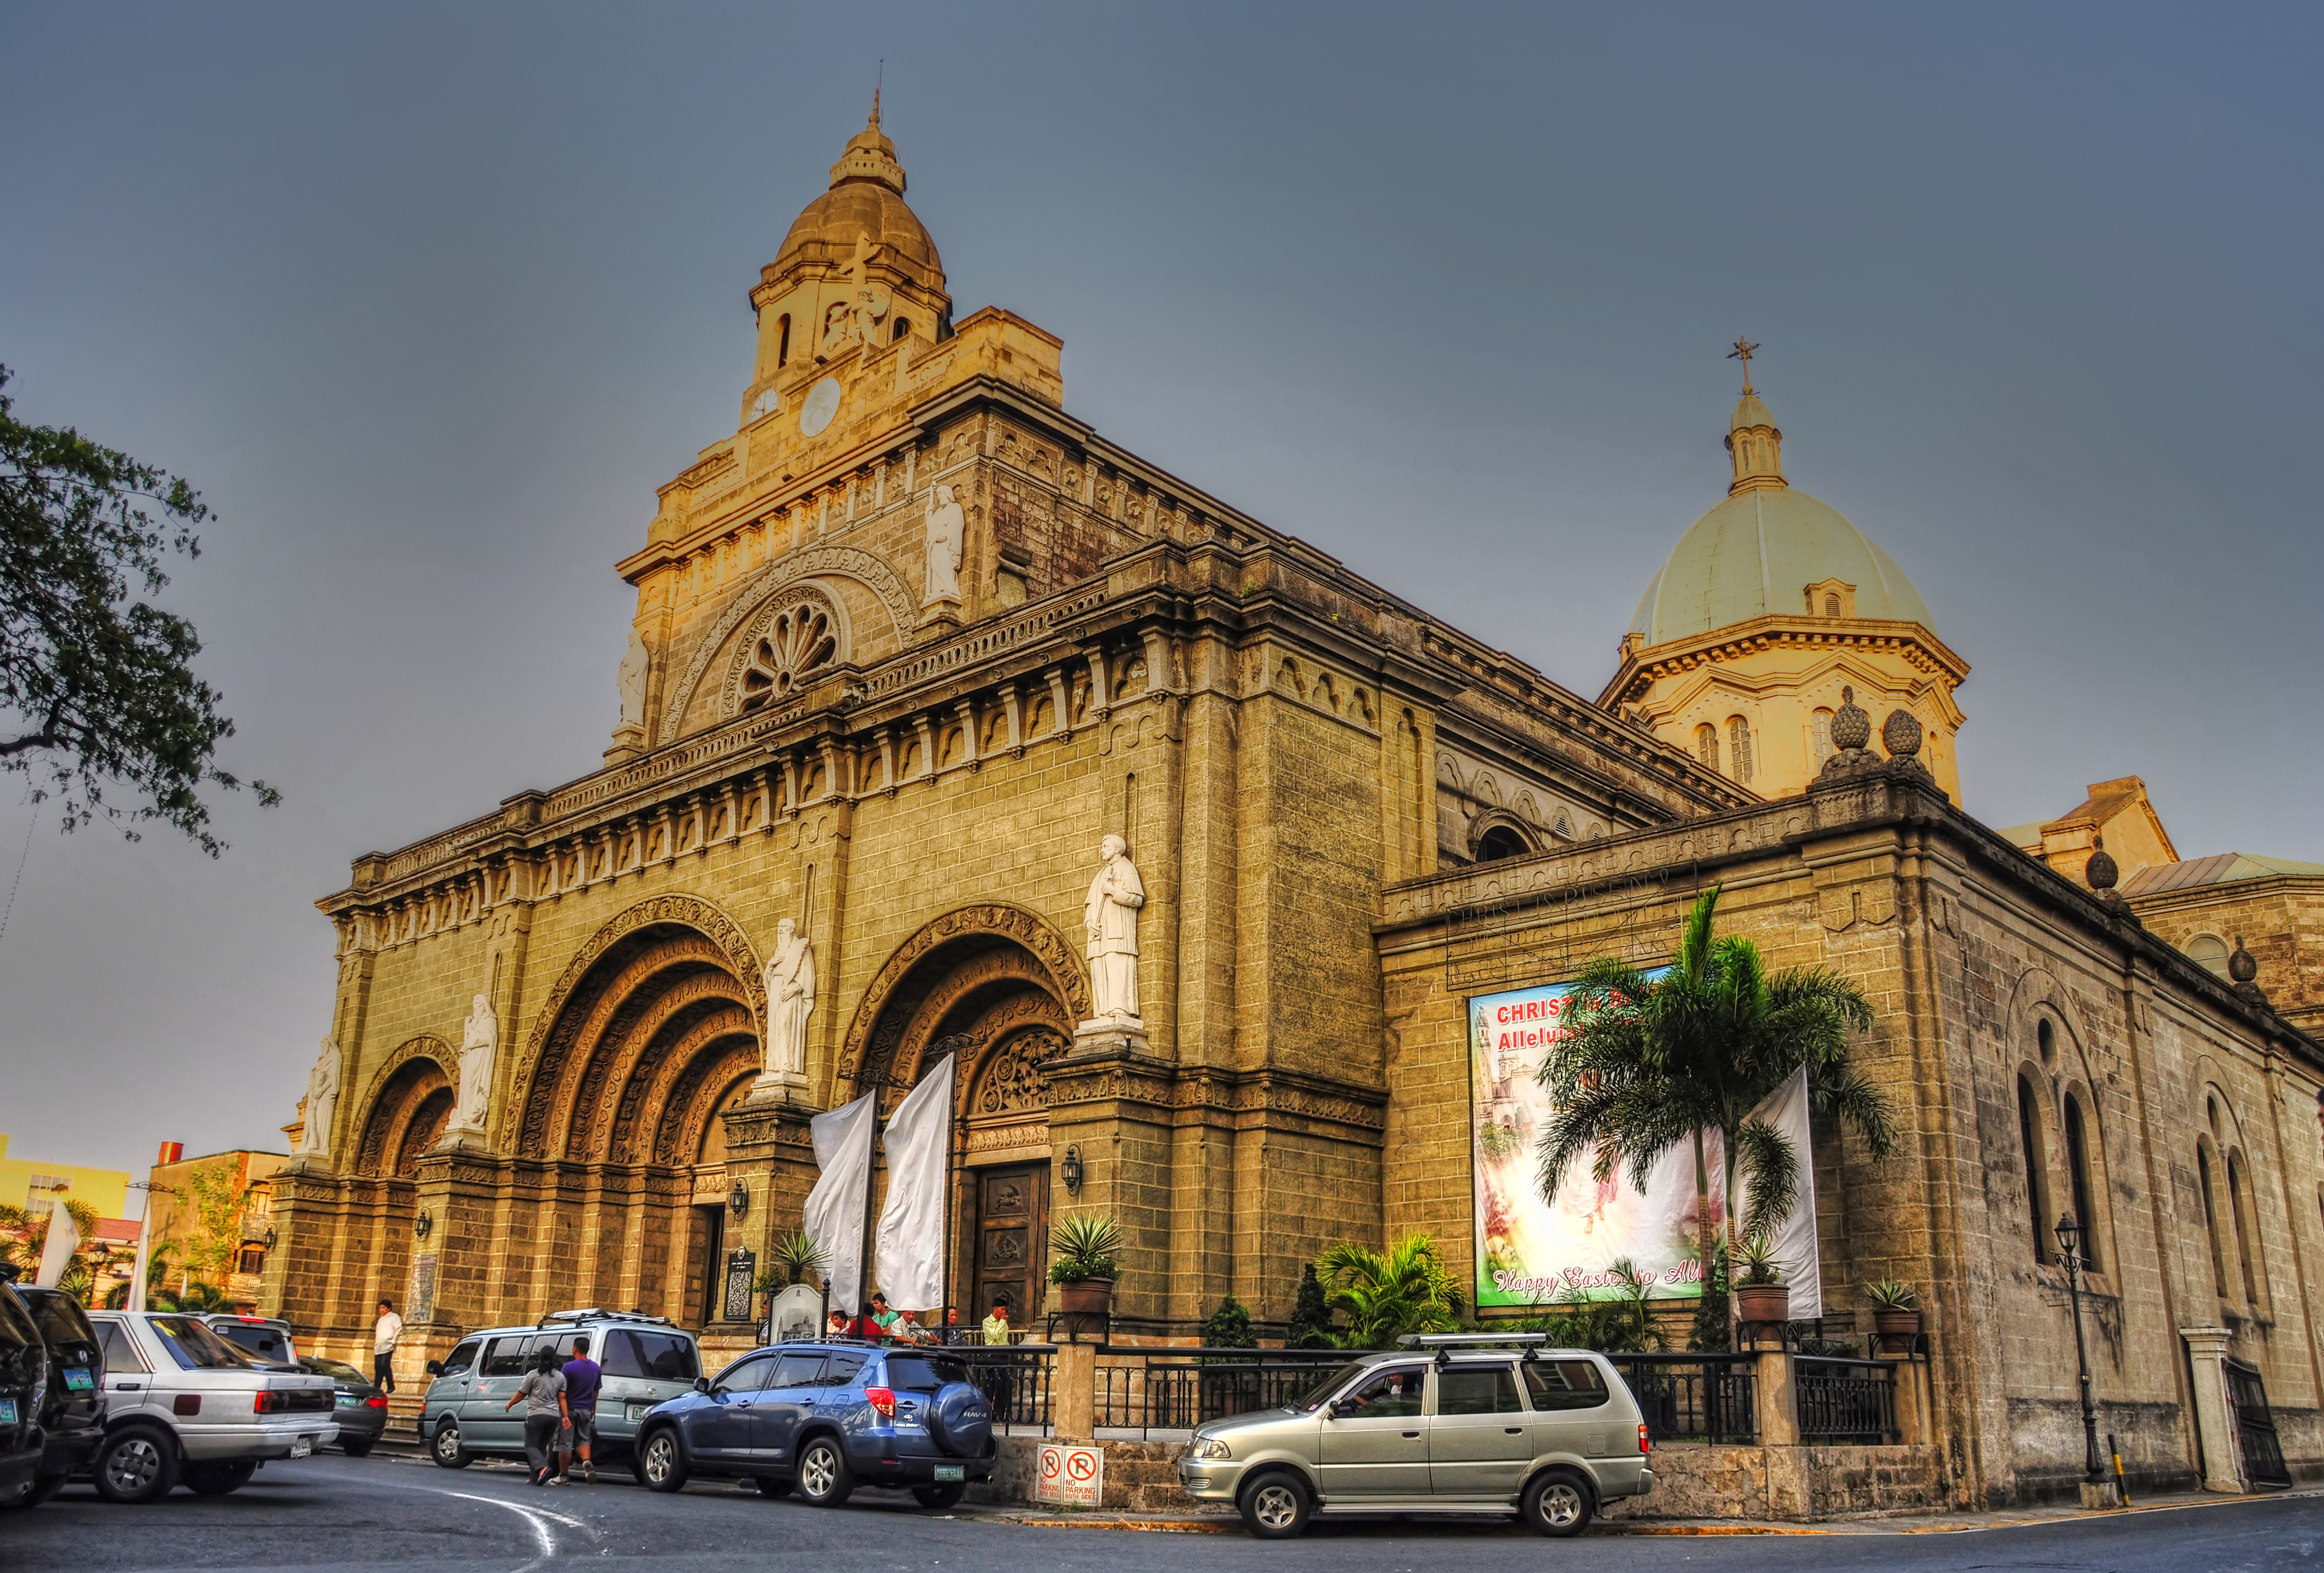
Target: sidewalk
x=1935, y=1523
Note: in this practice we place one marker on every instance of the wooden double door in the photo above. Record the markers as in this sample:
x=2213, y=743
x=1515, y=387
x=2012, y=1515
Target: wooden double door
x=1011, y=1242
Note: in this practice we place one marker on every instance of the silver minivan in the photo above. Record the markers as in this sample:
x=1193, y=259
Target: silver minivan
x=644, y=1360
x=1446, y=1423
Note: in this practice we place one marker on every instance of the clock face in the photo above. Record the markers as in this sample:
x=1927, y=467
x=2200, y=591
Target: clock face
x=767, y=403
x=821, y=404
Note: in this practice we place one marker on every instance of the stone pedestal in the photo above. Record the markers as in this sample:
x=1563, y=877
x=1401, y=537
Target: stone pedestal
x=629, y=743
x=1915, y=1406
x=1775, y=1401
x=2219, y=1458
x=939, y=617
x=1073, y=1391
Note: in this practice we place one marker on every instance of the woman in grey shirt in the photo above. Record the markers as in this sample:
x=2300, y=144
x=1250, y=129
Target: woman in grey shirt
x=543, y=1392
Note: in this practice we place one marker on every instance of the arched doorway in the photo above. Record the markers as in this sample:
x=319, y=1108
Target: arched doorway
x=651, y=1034
x=410, y=1106
x=1000, y=989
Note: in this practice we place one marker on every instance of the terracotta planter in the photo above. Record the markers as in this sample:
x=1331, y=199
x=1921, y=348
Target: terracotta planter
x=1763, y=1302
x=1897, y=1324
x=1090, y=1297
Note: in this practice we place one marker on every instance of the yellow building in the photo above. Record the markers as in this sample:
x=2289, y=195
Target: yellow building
x=1772, y=610
x=32, y=1183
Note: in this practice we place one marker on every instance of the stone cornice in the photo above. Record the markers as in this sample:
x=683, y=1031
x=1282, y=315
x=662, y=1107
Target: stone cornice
x=1919, y=647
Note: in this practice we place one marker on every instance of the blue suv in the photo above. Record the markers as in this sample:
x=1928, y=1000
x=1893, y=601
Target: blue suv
x=823, y=1419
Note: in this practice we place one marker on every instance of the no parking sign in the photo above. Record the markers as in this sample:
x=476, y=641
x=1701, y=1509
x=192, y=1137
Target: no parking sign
x=1070, y=1476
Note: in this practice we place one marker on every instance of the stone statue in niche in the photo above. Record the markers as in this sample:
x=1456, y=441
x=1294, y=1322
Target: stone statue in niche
x=322, y=1099
x=947, y=530
x=790, y=999
x=480, y=1045
x=1110, y=917
x=631, y=679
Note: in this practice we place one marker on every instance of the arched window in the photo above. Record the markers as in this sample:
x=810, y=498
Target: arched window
x=903, y=326
x=1706, y=746
x=1831, y=606
x=783, y=339
x=2045, y=1038
x=2077, y=1165
x=1821, y=729
x=2239, y=1204
x=2210, y=952
x=1499, y=842
x=2029, y=1146
x=2211, y=1220
x=1739, y=749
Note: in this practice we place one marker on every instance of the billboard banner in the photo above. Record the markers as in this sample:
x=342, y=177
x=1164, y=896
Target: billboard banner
x=1531, y=1252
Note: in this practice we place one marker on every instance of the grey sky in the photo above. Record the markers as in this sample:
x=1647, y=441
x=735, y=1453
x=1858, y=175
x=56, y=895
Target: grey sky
x=428, y=301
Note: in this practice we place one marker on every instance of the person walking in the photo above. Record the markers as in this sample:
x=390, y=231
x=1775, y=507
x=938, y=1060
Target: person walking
x=583, y=1378
x=384, y=1334
x=542, y=1394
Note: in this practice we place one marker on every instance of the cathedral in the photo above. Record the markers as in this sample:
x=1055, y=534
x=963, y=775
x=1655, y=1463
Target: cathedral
x=949, y=727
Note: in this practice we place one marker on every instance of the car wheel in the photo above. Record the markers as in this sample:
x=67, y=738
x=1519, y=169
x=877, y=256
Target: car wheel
x=948, y=1495
x=1558, y=1503
x=135, y=1465
x=824, y=1480
x=1276, y=1506
x=662, y=1462
x=445, y=1446
x=356, y=1447
x=216, y=1479
x=770, y=1486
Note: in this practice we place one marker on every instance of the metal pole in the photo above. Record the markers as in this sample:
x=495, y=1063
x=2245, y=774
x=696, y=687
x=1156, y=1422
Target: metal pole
x=871, y=1188
x=2090, y=1472
x=943, y=1311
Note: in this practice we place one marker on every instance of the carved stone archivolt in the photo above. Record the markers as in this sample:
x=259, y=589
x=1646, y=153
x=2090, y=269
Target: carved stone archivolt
x=1011, y=1082
x=603, y=993
x=894, y=1003
x=413, y=1072
x=844, y=561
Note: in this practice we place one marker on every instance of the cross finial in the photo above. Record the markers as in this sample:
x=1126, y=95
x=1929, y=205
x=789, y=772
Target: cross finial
x=1743, y=351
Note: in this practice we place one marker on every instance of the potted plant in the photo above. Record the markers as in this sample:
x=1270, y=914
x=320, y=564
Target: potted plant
x=1895, y=1308
x=1086, y=1245
x=1760, y=1294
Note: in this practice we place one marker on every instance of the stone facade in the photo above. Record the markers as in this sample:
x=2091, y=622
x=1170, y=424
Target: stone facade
x=1347, y=815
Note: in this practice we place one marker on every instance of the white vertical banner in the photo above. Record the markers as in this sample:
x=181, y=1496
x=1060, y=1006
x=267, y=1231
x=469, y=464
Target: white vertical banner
x=908, y=1262
x=834, y=1209
x=64, y=1239
x=1794, y=1237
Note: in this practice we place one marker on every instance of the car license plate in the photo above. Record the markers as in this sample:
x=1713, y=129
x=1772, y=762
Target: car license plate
x=638, y=1411
x=303, y=1448
x=78, y=1379
x=7, y=1411
x=952, y=1472
x=349, y=1401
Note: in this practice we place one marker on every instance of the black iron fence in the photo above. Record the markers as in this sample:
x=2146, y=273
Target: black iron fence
x=1015, y=1379
x=1175, y=1390
x=1694, y=1397
x=1844, y=1401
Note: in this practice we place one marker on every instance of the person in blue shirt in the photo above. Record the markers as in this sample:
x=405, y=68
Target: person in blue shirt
x=583, y=1378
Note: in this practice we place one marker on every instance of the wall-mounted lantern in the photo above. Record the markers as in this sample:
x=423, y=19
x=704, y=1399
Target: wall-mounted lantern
x=421, y=1224
x=1070, y=1171
x=738, y=1201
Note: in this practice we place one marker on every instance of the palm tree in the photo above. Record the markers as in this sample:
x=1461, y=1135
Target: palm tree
x=1405, y=1289
x=1647, y=1064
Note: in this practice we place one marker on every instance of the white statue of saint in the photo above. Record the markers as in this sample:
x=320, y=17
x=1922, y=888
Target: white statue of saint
x=947, y=529
x=322, y=1099
x=631, y=679
x=480, y=1044
x=1110, y=917
x=790, y=999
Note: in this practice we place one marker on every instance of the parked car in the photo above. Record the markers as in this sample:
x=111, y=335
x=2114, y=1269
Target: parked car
x=825, y=1417
x=362, y=1407
x=23, y=1386
x=266, y=1339
x=72, y=1416
x=183, y=1404
x=645, y=1359
x=1448, y=1423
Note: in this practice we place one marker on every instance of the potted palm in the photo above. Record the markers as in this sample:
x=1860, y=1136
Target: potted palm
x=1760, y=1294
x=1895, y=1308
x=1086, y=1245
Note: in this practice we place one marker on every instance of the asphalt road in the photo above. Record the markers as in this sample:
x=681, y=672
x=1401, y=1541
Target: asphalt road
x=340, y=1513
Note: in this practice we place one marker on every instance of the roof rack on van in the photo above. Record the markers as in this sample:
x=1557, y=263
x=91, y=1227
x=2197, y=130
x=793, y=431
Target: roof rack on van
x=594, y=1313
x=1468, y=1340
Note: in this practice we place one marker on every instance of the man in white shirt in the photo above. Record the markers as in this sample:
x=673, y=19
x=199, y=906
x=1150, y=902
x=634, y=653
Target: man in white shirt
x=384, y=1334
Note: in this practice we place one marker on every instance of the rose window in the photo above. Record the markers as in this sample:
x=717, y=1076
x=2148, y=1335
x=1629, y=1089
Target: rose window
x=800, y=640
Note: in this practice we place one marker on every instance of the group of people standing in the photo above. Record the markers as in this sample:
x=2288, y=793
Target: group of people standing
x=560, y=1413
x=882, y=1324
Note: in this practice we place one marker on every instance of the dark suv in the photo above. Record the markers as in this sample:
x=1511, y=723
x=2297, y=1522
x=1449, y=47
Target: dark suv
x=24, y=1384
x=825, y=1419
x=73, y=1416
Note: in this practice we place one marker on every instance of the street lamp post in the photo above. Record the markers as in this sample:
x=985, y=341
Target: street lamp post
x=2070, y=1241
